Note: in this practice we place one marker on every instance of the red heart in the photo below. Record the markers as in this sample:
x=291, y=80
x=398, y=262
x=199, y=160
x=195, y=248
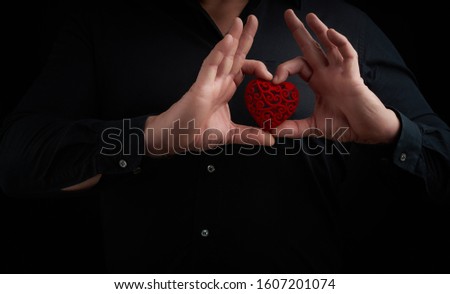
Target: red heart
x=270, y=104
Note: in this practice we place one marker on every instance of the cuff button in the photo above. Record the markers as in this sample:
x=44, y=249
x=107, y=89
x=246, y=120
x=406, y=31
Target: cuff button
x=403, y=157
x=123, y=163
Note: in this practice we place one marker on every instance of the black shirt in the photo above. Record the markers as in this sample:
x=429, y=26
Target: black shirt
x=299, y=206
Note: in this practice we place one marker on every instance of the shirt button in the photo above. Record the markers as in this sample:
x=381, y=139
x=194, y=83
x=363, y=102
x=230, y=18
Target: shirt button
x=403, y=157
x=123, y=163
x=205, y=233
x=211, y=168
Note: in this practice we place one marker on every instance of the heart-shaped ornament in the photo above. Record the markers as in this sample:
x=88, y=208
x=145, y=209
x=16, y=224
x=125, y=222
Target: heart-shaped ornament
x=270, y=104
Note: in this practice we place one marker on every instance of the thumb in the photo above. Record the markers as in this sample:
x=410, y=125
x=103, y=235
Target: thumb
x=251, y=136
x=296, y=129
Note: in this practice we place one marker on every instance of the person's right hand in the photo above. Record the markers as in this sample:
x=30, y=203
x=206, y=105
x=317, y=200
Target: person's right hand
x=201, y=120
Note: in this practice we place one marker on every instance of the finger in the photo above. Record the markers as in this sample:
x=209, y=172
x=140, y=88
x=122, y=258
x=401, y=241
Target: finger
x=310, y=48
x=251, y=136
x=321, y=31
x=345, y=48
x=256, y=68
x=208, y=71
x=294, y=66
x=236, y=28
x=295, y=129
x=245, y=43
x=227, y=62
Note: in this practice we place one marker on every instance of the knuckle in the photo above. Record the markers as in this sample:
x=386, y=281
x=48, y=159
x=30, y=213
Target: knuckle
x=353, y=53
x=240, y=55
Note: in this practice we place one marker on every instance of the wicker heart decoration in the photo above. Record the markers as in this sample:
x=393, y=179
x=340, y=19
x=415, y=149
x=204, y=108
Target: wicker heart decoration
x=270, y=104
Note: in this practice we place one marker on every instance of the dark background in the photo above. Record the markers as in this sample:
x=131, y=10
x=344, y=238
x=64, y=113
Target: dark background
x=64, y=235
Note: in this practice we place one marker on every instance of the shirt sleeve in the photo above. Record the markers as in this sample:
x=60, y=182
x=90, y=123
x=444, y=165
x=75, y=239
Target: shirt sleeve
x=56, y=137
x=423, y=146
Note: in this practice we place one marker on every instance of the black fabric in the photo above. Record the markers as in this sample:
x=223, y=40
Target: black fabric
x=299, y=206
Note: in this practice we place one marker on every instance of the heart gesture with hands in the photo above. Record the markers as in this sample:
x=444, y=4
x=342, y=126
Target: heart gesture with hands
x=342, y=100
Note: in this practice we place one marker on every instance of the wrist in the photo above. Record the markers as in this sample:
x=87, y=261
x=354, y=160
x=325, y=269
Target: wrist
x=391, y=127
x=153, y=137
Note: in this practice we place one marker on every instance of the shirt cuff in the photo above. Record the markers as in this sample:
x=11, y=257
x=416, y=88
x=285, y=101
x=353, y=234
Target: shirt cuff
x=409, y=145
x=121, y=146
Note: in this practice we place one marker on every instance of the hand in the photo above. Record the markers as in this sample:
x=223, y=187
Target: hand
x=201, y=120
x=345, y=108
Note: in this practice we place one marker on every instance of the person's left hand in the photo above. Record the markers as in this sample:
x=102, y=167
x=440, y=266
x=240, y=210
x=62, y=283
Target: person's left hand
x=345, y=108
